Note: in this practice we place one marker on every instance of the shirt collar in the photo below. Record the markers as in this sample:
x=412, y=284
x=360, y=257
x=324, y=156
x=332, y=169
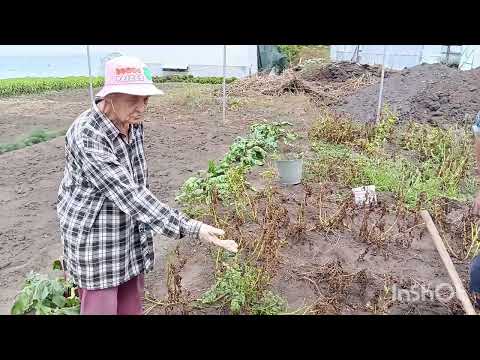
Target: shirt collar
x=110, y=129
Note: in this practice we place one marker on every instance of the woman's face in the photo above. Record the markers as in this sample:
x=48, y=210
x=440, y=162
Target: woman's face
x=129, y=108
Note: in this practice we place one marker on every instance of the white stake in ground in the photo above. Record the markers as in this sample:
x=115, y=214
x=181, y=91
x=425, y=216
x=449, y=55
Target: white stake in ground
x=380, y=95
x=224, y=84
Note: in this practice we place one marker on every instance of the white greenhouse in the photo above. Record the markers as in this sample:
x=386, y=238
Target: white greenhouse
x=398, y=57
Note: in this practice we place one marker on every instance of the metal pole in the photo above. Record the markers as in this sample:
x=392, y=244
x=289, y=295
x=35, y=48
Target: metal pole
x=355, y=55
x=224, y=83
x=379, y=108
x=90, y=74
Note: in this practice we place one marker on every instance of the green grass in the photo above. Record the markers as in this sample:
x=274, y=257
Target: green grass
x=296, y=52
x=336, y=129
x=385, y=174
x=35, y=137
x=339, y=163
x=434, y=162
x=33, y=85
x=192, y=79
x=470, y=188
x=444, y=169
x=36, y=85
x=190, y=96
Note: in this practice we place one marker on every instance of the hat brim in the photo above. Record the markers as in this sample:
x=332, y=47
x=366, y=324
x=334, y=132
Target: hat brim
x=131, y=89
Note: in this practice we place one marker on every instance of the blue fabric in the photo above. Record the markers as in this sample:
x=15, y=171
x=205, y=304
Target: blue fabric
x=476, y=125
x=475, y=275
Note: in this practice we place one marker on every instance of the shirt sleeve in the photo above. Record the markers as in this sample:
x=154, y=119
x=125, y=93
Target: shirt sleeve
x=114, y=180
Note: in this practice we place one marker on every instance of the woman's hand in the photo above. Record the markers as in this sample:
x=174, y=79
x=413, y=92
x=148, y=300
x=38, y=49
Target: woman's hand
x=210, y=234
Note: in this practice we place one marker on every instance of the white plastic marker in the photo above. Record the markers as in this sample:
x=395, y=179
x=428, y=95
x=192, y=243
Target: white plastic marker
x=365, y=195
x=447, y=261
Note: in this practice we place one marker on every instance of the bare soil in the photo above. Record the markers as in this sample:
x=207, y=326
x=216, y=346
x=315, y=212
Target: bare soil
x=182, y=134
x=432, y=93
x=180, y=139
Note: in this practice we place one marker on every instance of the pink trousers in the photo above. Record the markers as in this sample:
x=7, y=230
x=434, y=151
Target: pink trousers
x=125, y=299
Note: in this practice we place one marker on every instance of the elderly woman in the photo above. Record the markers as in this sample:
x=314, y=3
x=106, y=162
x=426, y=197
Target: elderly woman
x=106, y=211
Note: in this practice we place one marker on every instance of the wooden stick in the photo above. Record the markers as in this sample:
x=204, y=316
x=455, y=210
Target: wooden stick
x=447, y=261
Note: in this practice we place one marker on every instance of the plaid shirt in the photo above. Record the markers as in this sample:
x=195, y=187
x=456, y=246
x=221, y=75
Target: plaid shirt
x=105, y=209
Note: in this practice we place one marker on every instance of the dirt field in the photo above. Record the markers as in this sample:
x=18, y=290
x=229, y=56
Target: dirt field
x=179, y=141
x=434, y=93
x=183, y=132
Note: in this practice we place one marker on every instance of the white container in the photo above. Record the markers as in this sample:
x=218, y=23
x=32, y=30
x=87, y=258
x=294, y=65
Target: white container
x=290, y=171
x=365, y=195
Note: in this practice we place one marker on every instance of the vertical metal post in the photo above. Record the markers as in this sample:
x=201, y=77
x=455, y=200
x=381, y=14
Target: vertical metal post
x=380, y=95
x=224, y=83
x=90, y=74
x=356, y=54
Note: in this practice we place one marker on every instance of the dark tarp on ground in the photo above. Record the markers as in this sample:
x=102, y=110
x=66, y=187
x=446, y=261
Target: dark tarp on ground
x=270, y=57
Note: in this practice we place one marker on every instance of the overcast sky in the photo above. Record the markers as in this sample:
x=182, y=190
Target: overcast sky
x=40, y=50
x=175, y=55
x=54, y=50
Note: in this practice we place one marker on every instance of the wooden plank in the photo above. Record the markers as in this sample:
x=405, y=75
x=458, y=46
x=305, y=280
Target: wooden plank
x=447, y=261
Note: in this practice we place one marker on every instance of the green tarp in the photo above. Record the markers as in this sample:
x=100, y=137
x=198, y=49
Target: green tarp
x=270, y=57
